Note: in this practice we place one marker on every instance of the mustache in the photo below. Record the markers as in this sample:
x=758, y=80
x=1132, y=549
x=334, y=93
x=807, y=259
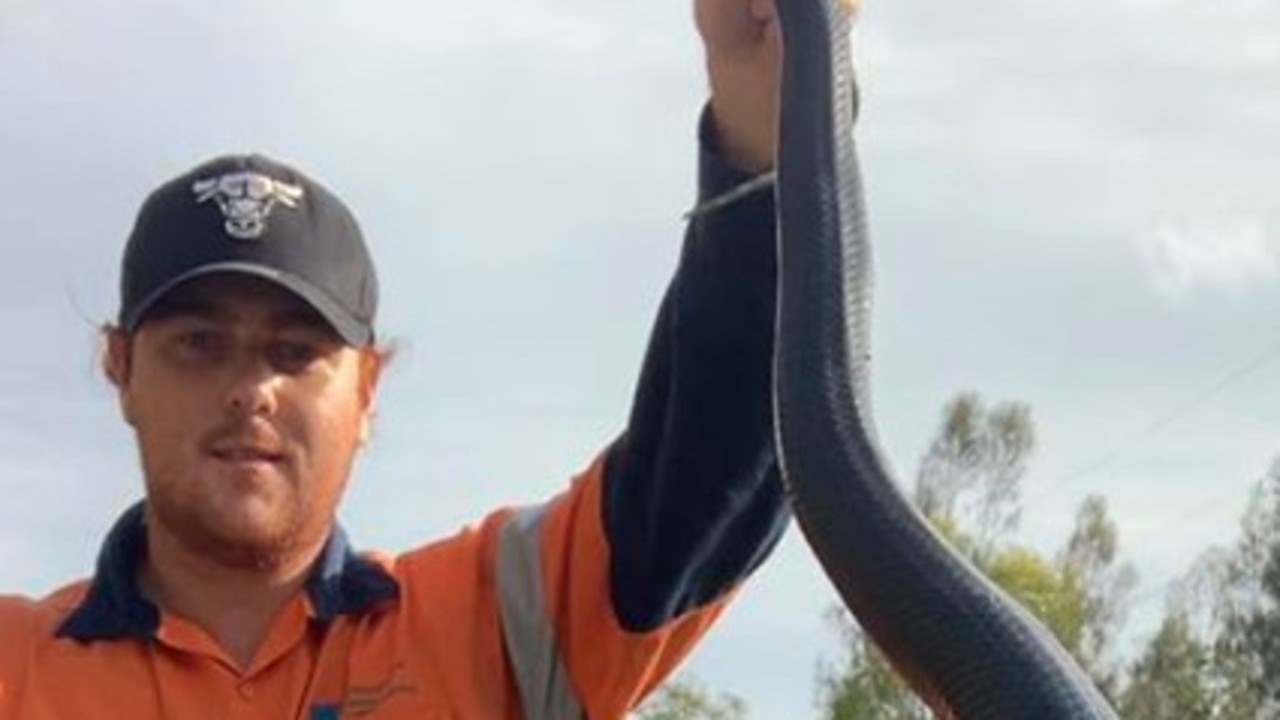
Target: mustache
x=254, y=434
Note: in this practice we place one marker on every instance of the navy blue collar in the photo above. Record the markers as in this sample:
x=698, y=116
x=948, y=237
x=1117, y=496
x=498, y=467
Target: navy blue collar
x=341, y=583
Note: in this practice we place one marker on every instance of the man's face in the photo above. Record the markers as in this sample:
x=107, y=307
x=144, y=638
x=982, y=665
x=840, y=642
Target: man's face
x=249, y=411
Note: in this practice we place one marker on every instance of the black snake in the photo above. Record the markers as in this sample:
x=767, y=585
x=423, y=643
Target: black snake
x=966, y=649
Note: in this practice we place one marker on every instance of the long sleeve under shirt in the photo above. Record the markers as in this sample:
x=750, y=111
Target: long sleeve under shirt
x=572, y=609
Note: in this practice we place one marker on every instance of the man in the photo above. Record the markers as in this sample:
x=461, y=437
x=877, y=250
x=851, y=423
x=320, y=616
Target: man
x=246, y=362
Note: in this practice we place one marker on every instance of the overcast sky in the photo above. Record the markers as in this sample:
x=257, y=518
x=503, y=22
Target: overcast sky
x=1074, y=205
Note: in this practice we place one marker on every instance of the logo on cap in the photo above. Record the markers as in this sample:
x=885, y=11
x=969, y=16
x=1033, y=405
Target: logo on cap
x=246, y=200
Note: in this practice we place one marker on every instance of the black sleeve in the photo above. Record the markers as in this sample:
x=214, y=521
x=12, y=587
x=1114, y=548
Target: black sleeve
x=692, y=497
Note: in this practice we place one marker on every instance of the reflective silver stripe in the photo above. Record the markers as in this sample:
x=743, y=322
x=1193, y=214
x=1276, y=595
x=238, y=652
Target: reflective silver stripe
x=733, y=194
x=545, y=690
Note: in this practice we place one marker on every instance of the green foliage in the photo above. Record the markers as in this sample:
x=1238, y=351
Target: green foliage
x=864, y=686
x=1247, y=640
x=968, y=486
x=1053, y=596
x=972, y=470
x=1217, y=655
x=1252, y=624
x=1090, y=562
x=1172, y=679
x=688, y=699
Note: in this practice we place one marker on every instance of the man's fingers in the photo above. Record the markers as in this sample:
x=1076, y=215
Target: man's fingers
x=764, y=10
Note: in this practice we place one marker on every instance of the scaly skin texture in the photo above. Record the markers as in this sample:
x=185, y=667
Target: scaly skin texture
x=967, y=649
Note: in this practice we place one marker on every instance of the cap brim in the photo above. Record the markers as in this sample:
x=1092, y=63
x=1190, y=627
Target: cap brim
x=352, y=330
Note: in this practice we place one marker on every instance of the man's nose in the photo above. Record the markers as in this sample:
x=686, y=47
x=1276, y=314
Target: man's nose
x=253, y=386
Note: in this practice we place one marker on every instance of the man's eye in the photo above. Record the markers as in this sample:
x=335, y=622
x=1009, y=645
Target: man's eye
x=201, y=341
x=293, y=355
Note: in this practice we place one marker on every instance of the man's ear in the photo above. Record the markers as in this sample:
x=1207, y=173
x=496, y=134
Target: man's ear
x=372, y=362
x=116, y=357
x=117, y=365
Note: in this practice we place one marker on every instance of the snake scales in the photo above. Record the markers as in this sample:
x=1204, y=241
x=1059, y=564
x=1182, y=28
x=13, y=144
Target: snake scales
x=967, y=650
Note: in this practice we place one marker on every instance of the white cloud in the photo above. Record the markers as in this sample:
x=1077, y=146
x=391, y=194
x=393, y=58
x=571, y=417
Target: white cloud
x=1224, y=254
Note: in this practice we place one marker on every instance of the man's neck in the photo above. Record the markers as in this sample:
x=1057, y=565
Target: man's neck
x=234, y=606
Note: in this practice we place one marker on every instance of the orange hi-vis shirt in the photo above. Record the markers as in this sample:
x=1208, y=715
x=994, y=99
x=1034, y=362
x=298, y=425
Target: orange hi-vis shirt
x=510, y=619
x=570, y=610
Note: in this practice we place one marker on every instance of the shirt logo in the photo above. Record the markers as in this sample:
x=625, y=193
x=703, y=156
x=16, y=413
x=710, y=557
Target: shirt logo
x=246, y=200
x=364, y=700
x=331, y=711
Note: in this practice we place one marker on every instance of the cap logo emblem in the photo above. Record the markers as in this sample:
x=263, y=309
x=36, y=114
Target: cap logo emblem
x=246, y=200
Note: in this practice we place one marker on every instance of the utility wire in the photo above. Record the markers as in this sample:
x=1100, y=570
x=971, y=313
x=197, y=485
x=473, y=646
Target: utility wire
x=1175, y=413
x=1159, y=591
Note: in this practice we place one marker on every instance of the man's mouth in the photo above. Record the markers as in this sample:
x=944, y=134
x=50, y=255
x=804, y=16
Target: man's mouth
x=246, y=455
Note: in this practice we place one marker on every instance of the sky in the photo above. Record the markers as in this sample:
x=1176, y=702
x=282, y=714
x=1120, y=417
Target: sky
x=1073, y=205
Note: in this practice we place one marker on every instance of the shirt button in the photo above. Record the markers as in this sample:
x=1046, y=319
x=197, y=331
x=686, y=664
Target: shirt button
x=246, y=690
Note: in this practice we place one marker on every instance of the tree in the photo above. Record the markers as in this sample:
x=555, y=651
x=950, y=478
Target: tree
x=1172, y=678
x=1253, y=625
x=1247, y=612
x=968, y=486
x=863, y=686
x=972, y=471
x=1217, y=655
x=688, y=699
x=1090, y=564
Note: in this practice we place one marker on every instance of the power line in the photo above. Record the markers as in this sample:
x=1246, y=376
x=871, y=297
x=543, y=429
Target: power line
x=1169, y=417
x=1160, y=590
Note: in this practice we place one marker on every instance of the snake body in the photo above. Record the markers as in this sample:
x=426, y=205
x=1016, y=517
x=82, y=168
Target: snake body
x=967, y=650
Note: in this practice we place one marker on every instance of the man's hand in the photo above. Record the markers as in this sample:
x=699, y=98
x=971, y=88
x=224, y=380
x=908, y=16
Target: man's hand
x=744, y=58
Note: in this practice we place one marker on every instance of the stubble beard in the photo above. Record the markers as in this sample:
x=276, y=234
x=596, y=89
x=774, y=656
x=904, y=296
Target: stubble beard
x=199, y=531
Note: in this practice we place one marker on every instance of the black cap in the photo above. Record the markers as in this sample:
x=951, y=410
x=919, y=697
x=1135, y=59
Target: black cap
x=253, y=215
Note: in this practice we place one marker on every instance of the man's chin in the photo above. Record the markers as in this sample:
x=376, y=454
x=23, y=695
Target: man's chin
x=245, y=552
x=242, y=542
